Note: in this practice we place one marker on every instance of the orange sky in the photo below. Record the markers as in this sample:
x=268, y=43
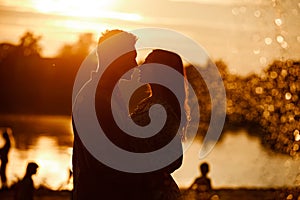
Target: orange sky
x=245, y=34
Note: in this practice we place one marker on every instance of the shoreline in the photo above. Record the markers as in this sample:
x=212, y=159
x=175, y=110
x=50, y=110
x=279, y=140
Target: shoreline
x=222, y=193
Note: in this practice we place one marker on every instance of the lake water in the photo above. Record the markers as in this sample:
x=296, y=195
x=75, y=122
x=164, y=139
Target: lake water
x=238, y=160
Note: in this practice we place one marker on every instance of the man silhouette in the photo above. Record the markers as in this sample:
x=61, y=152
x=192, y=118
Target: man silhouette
x=93, y=179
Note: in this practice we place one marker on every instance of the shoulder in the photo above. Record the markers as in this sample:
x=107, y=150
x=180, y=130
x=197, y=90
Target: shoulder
x=26, y=182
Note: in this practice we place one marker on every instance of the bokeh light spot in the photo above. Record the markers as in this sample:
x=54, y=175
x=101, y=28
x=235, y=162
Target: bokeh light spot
x=235, y=11
x=273, y=75
x=278, y=22
x=296, y=147
x=259, y=90
x=263, y=60
x=284, y=44
x=288, y=96
x=268, y=41
x=256, y=51
x=257, y=13
x=279, y=38
x=283, y=73
x=297, y=135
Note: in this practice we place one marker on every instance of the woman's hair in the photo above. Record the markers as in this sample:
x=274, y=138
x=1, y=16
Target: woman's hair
x=174, y=61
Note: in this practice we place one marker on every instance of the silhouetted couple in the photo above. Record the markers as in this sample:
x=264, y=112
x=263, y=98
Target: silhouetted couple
x=95, y=180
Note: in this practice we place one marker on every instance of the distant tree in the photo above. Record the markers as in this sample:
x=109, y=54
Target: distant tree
x=29, y=45
x=5, y=50
x=80, y=49
x=84, y=43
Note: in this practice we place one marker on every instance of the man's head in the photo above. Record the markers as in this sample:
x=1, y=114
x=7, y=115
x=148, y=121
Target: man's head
x=117, y=47
x=109, y=33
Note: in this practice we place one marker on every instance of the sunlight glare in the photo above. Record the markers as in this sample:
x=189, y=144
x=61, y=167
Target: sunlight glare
x=75, y=6
x=52, y=164
x=85, y=9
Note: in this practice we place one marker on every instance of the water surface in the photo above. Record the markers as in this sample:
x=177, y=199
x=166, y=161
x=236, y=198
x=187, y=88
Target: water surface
x=238, y=160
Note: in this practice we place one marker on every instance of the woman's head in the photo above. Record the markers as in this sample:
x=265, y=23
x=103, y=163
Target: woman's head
x=170, y=59
x=163, y=57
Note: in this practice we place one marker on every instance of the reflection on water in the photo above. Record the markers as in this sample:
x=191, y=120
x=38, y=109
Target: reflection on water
x=54, y=163
x=240, y=161
x=237, y=161
x=46, y=140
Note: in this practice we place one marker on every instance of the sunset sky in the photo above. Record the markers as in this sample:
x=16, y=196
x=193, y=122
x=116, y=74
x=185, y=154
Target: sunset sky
x=246, y=34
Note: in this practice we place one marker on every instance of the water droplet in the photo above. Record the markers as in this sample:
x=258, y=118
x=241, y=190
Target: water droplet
x=279, y=38
x=263, y=60
x=295, y=12
x=256, y=51
x=278, y=22
x=257, y=13
x=288, y=96
x=298, y=38
x=284, y=45
x=234, y=50
x=256, y=37
x=293, y=87
x=235, y=11
x=283, y=73
x=268, y=41
x=296, y=147
x=299, y=4
x=243, y=9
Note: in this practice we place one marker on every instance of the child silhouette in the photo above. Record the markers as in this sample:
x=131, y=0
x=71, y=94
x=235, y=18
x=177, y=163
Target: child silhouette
x=202, y=185
x=25, y=187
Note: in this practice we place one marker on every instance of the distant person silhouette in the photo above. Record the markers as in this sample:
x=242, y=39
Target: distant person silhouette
x=202, y=185
x=159, y=184
x=4, y=159
x=93, y=179
x=25, y=188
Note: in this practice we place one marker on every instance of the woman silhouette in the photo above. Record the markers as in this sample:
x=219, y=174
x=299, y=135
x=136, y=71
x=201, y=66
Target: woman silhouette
x=159, y=184
x=4, y=159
